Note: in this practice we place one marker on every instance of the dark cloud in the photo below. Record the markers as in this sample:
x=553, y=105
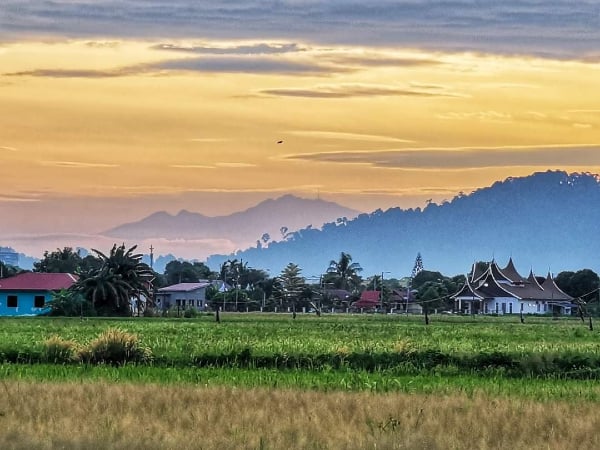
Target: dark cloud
x=242, y=64
x=561, y=28
x=253, y=49
x=345, y=91
x=75, y=73
x=464, y=158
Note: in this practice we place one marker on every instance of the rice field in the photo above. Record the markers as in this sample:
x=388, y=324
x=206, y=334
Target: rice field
x=334, y=382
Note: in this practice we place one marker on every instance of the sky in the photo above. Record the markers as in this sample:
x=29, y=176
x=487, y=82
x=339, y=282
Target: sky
x=112, y=110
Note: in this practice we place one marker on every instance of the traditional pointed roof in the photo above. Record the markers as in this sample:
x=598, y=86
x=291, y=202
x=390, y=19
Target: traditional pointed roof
x=476, y=273
x=552, y=291
x=467, y=291
x=533, y=280
x=489, y=286
x=511, y=272
x=498, y=274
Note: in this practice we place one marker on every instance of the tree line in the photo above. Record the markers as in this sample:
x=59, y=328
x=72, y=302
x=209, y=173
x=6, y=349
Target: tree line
x=118, y=282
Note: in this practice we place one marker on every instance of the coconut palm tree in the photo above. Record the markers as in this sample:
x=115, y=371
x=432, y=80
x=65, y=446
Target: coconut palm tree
x=345, y=272
x=120, y=278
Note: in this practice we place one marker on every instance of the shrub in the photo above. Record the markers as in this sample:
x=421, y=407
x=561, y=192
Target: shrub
x=116, y=347
x=191, y=313
x=59, y=350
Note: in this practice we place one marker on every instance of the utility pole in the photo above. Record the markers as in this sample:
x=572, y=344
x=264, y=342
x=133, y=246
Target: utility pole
x=151, y=257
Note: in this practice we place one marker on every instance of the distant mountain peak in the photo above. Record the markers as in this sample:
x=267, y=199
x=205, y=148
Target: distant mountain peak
x=546, y=219
x=242, y=228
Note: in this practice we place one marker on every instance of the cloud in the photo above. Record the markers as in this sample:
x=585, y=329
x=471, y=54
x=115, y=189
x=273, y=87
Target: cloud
x=465, y=158
x=78, y=73
x=377, y=60
x=347, y=136
x=191, y=166
x=238, y=49
x=77, y=164
x=355, y=90
x=245, y=64
x=548, y=28
x=235, y=165
x=210, y=140
x=17, y=199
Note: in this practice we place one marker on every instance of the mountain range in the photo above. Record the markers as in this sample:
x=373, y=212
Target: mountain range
x=547, y=221
x=268, y=220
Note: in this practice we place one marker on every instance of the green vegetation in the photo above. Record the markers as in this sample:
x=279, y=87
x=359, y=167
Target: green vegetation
x=363, y=352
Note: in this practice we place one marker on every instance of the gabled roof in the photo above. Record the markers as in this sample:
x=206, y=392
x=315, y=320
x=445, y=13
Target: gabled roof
x=507, y=282
x=35, y=281
x=511, y=272
x=489, y=286
x=371, y=296
x=467, y=291
x=184, y=287
x=533, y=280
x=476, y=273
x=552, y=291
x=498, y=274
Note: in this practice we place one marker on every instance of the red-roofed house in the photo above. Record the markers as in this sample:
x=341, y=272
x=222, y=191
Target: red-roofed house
x=29, y=293
x=368, y=299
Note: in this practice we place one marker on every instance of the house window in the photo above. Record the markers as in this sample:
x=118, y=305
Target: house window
x=39, y=301
x=510, y=308
x=11, y=301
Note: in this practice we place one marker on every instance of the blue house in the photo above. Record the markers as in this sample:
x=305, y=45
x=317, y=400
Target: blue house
x=28, y=294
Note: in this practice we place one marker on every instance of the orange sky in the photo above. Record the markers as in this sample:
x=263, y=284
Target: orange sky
x=135, y=126
x=125, y=118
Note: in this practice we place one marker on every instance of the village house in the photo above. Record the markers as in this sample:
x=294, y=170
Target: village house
x=186, y=295
x=501, y=291
x=29, y=293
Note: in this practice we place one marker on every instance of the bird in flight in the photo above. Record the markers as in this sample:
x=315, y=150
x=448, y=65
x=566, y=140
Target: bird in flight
x=280, y=142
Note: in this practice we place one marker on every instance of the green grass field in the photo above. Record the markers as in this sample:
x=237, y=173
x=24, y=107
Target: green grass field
x=542, y=358
x=334, y=382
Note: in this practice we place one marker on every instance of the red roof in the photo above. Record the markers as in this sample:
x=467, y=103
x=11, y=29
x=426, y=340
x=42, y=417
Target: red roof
x=34, y=281
x=368, y=299
x=371, y=296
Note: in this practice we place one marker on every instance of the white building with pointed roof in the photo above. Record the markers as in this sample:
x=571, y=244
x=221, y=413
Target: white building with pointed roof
x=501, y=291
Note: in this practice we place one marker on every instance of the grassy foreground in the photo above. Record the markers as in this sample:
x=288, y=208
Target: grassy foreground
x=337, y=382
x=127, y=416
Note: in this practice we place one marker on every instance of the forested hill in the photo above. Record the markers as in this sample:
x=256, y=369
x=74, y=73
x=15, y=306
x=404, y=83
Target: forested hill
x=545, y=221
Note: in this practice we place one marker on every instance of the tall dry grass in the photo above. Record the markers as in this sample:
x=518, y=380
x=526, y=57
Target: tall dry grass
x=124, y=416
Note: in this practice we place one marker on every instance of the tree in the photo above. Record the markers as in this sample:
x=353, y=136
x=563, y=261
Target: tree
x=6, y=270
x=291, y=285
x=434, y=289
x=71, y=304
x=59, y=261
x=418, y=266
x=120, y=278
x=345, y=272
x=582, y=285
x=186, y=272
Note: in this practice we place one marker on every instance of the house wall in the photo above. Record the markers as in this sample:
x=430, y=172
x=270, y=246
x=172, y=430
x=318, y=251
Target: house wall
x=495, y=306
x=192, y=299
x=509, y=305
x=25, y=303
